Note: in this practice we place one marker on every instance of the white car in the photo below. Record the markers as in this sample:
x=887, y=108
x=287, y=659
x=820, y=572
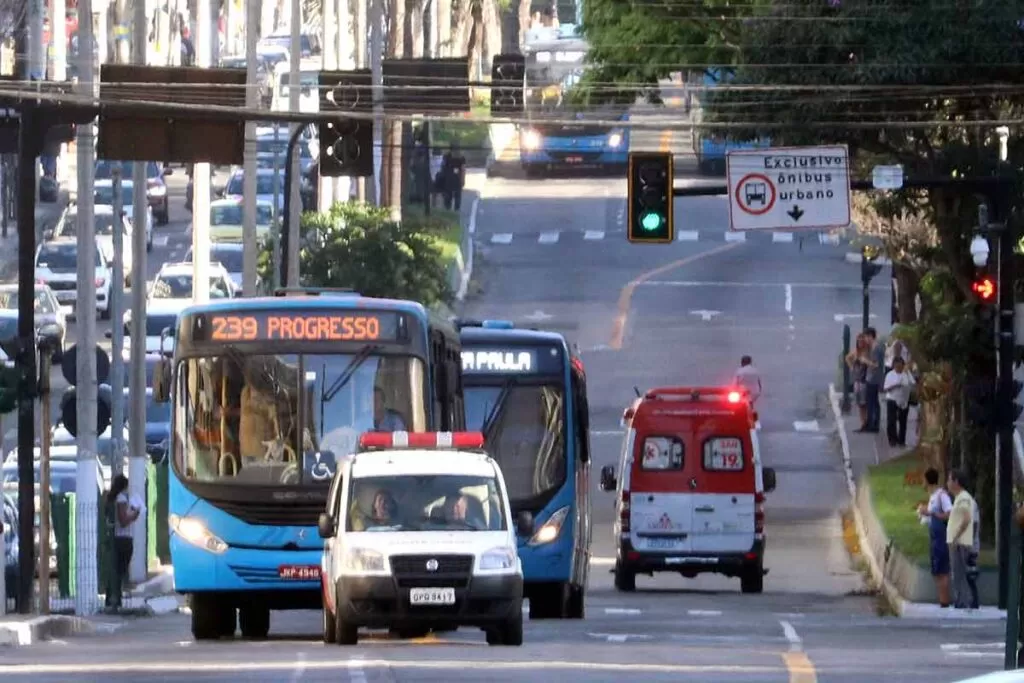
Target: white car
x=174, y=283
x=229, y=255
x=103, y=225
x=422, y=529
x=267, y=182
x=104, y=196
x=160, y=315
x=57, y=266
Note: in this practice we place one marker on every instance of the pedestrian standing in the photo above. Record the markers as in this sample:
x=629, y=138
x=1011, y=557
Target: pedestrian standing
x=122, y=511
x=936, y=515
x=960, y=538
x=748, y=377
x=899, y=384
x=873, y=381
x=453, y=170
x=856, y=360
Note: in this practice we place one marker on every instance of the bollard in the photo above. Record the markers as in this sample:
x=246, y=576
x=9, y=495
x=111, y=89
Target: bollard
x=845, y=405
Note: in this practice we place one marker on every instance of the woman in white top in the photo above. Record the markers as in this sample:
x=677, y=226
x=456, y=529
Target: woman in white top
x=122, y=513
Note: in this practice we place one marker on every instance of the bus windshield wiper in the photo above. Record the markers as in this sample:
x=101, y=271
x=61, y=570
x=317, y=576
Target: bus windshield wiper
x=496, y=409
x=328, y=393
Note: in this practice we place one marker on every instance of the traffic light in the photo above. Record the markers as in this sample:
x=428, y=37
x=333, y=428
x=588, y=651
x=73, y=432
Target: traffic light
x=981, y=403
x=346, y=144
x=869, y=266
x=508, y=78
x=985, y=289
x=1015, y=407
x=69, y=401
x=650, y=198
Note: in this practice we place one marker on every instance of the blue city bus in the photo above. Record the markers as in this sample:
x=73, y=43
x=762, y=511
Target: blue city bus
x=711, y=147
x=247, y=379
x=527, y=393
x=557, y=135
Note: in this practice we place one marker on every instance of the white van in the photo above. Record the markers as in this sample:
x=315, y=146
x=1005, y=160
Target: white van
x=309, y=84
x=419, y=536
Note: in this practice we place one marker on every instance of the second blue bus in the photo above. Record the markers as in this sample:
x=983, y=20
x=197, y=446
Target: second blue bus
x=527, y=393
x=266, y=394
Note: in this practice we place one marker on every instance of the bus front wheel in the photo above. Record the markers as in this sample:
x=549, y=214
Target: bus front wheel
x=575, y=609
x=254, y=622
x=211, y=619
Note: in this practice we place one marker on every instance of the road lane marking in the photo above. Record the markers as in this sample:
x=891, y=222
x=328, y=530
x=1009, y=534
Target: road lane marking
x=704, y=613
x=798, y=664
x=191, y=667
x=593, y=235
x=808, y=426
x=785, y=237
x=501, y=238
x=161, y=240
x=626, y=295
x=688, y=235
x=665, y=142
x=735, y=237
x=789, y=298
x=620, y=637
x=548, y=237
x=623, y=611
x=300, y=669
x=355, y=670
x=757, y=285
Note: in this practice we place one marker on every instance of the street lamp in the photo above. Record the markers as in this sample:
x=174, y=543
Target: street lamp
x=979, y=251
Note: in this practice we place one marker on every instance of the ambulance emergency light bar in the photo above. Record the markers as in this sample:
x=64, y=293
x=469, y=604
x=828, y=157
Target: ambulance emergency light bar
x=717, y=394
x=424, y=440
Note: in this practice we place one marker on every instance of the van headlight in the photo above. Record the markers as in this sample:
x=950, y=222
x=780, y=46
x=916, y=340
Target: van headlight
x=531, y=139
x=498, y=559
x=363, y=561
x=550, y=530
x=195, y=532
x=615, y=139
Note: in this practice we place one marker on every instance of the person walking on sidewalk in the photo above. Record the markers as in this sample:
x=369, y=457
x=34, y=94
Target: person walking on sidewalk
x=899, y=383
x=873, y=381
x=749, y=378
x=960, y=537
x=936, y=515
x=856, y=360
x=122, y=512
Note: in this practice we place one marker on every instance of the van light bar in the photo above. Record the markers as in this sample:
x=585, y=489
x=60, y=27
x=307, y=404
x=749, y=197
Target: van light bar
x=439, y=440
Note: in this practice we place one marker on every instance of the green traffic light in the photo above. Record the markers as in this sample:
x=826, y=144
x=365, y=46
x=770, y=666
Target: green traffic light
x=651, y=221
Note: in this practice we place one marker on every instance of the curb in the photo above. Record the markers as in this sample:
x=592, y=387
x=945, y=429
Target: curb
x=902, y=607
x=32, y=631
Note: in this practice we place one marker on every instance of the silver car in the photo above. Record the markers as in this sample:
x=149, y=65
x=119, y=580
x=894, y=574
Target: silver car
x=48, y=313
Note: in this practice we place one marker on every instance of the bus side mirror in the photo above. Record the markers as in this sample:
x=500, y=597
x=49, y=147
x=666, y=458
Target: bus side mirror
x=524, y=523
x=325, y=525
x=162, y=380
x=608, y=482
x=768, y=474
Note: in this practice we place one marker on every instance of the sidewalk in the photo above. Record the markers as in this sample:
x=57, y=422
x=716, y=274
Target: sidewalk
x=886, y=564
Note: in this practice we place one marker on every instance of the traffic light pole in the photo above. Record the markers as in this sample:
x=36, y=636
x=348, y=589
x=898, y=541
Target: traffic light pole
x=1004, y=462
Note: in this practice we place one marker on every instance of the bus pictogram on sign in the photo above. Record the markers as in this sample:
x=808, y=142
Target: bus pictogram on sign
x=755, y=194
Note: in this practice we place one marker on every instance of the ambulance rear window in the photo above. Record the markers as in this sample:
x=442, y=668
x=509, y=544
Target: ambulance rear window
x=661, y=453
x=723, y=454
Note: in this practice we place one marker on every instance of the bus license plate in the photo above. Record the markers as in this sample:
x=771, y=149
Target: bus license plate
x=299, y=571
x=574, y=160
x=432, y=596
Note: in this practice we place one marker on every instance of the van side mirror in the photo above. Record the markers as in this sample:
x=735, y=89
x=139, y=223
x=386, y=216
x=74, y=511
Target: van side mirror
x=48, y=234
x=608, y=481
x=162, y=380
x=325, y=525
x=524, y=523
x=768, y=474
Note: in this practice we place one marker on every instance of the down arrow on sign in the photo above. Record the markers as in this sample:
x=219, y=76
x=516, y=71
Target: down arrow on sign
x=795, y=213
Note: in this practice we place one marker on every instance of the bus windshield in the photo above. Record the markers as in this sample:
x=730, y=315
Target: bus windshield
x=527, y=435
x=238, y=415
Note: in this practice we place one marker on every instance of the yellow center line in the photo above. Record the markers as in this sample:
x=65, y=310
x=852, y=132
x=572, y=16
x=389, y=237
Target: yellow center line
x=626, y=295
x=800, y=667
x=665, y=144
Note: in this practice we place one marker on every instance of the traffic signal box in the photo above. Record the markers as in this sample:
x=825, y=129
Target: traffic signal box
x=650, y=198
x=869, y=266
x=346, y=143
x=508, y=78
x=985, y=289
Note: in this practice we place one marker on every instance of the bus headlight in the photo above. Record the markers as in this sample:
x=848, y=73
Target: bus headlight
x=551, y=528
x=615, y=139
x=196, y=533
x=362, y=560
x=498, y=559
x=531, y=139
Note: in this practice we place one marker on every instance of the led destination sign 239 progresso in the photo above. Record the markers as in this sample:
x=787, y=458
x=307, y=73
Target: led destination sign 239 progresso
x=292, y=325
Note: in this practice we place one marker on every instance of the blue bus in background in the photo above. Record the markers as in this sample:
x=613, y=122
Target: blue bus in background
x=711, y=147
x=558, y=136
x=527, y=393
x=266, y=395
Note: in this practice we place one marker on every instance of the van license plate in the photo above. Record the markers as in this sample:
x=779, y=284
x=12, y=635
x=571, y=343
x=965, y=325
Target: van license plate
x=299, y=572
x=574, y=160
x=661, y=543
x=432, y=596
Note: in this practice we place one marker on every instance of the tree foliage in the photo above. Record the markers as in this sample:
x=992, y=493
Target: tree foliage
x=633, y=44
x=357, y=246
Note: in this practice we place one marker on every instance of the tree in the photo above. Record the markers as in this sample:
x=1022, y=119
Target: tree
x=633, y=44
x=358, y=246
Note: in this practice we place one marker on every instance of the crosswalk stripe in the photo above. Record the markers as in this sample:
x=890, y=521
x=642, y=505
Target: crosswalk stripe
x=593, y=235
x=548, y=237
x=688, y=235
x=735, y=237
x=501, y=238
x=782, y=237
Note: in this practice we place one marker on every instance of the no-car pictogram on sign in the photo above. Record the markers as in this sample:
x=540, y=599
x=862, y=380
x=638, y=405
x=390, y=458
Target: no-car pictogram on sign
x=755, y=194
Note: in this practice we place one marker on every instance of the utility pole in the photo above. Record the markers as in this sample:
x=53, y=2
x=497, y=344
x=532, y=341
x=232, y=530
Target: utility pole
x=275, y=229
x=86, y=494
x=59, y=40
x=201, y=176
x=343, y=36
x=45, y=366
x=331, y=61
x=37, y=48
x=377, y=78
x=117, y=327
x=359, y=44
x=294, y=89
x=250, y=253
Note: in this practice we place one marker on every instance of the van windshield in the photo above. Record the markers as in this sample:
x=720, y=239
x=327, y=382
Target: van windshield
x=433, y=502
x=527, y=436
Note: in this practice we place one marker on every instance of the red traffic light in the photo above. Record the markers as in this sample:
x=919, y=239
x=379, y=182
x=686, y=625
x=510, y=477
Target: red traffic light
x=984, y=288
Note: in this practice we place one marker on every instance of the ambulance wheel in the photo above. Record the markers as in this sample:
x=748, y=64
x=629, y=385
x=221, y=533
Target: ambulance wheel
x=330, y=626
x=210, y=619
x=254, y=622
x=752, y=581
x=625, y=580
x=575, y=608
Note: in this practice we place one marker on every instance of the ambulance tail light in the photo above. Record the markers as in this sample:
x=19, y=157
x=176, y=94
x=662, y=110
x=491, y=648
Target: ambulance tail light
x=759, y=513
x=428, y=440
x=624, y=513
x=734, y=397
